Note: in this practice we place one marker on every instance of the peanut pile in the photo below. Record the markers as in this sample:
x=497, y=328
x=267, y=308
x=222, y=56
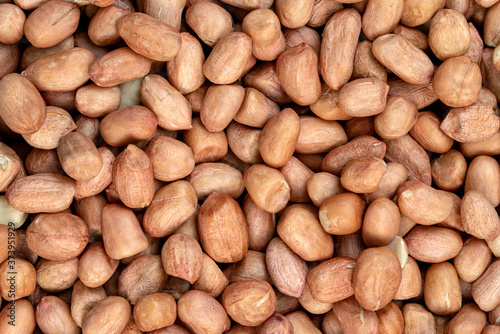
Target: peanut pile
x=249, y=166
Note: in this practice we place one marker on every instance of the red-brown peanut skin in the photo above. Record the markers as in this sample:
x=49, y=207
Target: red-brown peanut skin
x=352, y=318
x=25, y=318
x=261, y=225
x=12, y=26
x=209, y=21
x=287, y=270
x=279, y=137
x=338, y=47
x=442, y=289
x=95, y=266
x=182, y=257
x=267, y=187
x=202, y=313
x=433, y=244
x=381, y=17
x=155, y=311
x=97, y=184
x=223, y=229
x=149, y=37
x=25, y=114
x=58, y=236
x=211, y=279
x=363, y=97
x=53, y=315
x=263, y=26
x=376, y=277
x=110, y=315
x=298, y=74
x=79, y=157
x=20, y=283
x=220, y=105
x=342, y=214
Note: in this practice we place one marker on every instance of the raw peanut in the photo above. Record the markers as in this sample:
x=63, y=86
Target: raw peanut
x=209, y=177
x=43, y=161
x=261, y=224
x=79, y=157
x=226, y=63
x=12, y=26
x=342, y=214
x=249, y=303
x=321, y=186
x=483, y=175
x=406, y=151
x=171, y=159
x=363, y=97
x=433, y=244
x=249, y=4
x=363, y=146
x=206, y=146
x=20, y=283
x=448, y=170
x=312, y=161
x=411, y=281
x=479, y=216
x=95, y=101
x=244, y=142
x=476, y=47
x=470, y=318
x=170, y=107
x=57, y=236
x=64, y=71
x=449, y=25
x=442, y=289
x=491, y=329
x=133, y=177
x=394, y=176
x=220, y=105
x=331, y=281
x=301, y=230
x=53, y=315
x=327, y=106
x=209, y=21
x=338, y=47
x=352, y=318
x=211, y=279
x=102, y=27
x=427, y=132
x=454, y=220
x=278, y=324
x=118, y=66
x=25, y=318
x=403, y=58
x=7, y=236
x=256, y=109
x=90, y=209
x=222, y=214
x=376, y=277
x=149, y=37
x=32, y=53
x=418, y=320
x=296, y=175
x=359, y=126
x=95, y=266
x=83, y=299
x=330, y=325
x=465, y=7
x=287, y=270
x=143, y=276
x=169, y=13
x=185, y=70
x=311, y=305
x=263, y=26
x=182, y=257
x=26, y=113
x=297, y=70
x=88, y=127
x=126, y=239
x=423, y=204
x=473, y=259
x=381, y=17
x=110, y=314
x=97, y=184
x=491, y=32
x=294, y=14
x=11, y=166
x=265, y=79
x=374, y=232
x=82, y=39
x=202, y=313
x=349, y=245
x=363, y=175
x=493, y=316
x=391, y=319
x=51, y=23
x=155, y=311
x=457, y=82
x=64, y=100
x=366, y=65
x=128, y=125
x=489, y=72
x=56, y=276
x=279, y=137
x=251, y=267
x=415, y=36
x=471, y=124
x=9, y=56
x=304, y=34
x=421, y=95
x=322, y=11
x=418, y=12
x=490, y=146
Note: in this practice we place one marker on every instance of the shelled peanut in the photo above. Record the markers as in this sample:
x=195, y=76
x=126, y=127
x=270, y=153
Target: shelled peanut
x=260, y=167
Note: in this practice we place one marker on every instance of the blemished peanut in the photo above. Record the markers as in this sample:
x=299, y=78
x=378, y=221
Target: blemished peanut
x=250, y=167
